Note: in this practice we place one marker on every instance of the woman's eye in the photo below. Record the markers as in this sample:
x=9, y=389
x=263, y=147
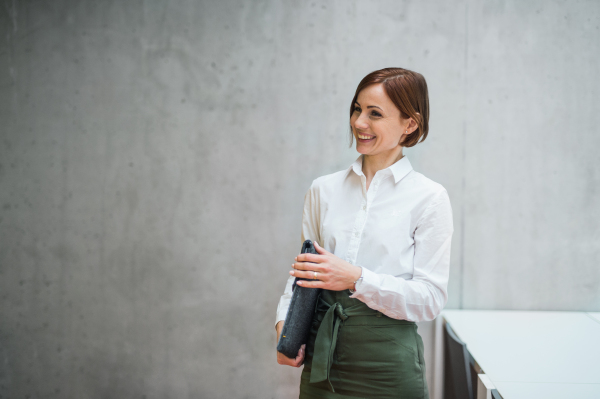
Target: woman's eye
x=375, y=113
x=357, y=109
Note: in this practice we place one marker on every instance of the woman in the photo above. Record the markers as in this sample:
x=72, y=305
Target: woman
x=383, y=233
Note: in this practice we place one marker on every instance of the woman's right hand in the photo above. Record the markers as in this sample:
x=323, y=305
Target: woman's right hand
x=283, y=359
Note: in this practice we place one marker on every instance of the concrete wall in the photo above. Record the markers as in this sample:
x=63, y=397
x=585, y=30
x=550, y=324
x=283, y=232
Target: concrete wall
x=154, y=157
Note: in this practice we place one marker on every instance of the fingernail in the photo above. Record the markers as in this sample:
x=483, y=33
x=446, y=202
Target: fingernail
x=291, y=272
x=299, y=283
x=296, y=258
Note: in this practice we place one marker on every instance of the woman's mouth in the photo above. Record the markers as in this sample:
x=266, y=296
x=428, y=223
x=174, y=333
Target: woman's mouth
x=364, y=138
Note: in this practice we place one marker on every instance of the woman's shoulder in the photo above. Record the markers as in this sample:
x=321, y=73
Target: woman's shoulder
x=419, y=179
x=330, y=180
x=426, y=187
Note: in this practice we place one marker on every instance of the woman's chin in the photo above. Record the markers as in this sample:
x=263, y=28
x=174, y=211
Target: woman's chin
x=363, y=149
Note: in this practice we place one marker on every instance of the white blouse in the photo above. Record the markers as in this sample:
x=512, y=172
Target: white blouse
x=399, y=231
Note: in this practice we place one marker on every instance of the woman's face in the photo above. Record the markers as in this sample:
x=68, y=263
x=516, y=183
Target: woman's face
x=376, y=122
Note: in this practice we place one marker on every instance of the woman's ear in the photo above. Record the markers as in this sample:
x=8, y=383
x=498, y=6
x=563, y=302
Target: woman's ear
x=404, y=136
x=412, y=126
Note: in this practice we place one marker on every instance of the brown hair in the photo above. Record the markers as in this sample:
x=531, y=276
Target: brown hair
x=408, y=91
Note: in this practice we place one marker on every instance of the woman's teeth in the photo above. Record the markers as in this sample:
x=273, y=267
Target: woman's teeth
x=363, y=137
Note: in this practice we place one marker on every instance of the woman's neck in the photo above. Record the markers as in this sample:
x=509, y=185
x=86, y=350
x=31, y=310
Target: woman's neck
x=373, y=163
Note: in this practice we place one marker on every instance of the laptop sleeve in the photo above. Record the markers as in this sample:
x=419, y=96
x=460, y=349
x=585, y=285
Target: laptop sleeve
x=296, y=329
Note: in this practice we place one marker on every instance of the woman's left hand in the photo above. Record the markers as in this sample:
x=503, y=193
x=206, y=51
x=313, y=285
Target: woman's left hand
x=333, y=273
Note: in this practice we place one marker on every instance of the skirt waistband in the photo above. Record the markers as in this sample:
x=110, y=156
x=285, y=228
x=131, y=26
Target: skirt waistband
x=352, y=311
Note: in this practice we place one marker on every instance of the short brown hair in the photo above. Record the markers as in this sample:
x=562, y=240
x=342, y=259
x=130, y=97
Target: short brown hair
x=408, y=91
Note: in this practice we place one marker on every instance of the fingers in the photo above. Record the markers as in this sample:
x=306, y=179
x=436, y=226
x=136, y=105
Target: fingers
x=320, y=249
x=309, y=274
x=309, y=258
x=311, y=284
x=300, y=358
x=314, y=258
x=308, y=266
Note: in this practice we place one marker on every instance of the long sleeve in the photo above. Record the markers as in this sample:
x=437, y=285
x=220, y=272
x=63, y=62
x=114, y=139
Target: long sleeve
x=424, y=296
x=310, y=231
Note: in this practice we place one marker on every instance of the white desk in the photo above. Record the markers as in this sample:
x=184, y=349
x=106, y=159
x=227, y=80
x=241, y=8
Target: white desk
x=594, y=315
x=534, y=354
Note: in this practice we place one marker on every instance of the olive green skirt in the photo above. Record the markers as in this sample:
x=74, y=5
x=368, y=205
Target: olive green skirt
x=357, y=352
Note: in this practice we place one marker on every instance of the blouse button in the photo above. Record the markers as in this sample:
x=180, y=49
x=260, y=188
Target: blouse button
x=364, y=207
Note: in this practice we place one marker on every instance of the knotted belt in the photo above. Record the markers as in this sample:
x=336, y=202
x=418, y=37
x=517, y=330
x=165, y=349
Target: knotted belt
x=326, y=339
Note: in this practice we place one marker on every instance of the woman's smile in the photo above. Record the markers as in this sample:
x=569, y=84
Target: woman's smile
x=364, y=138
x=377, y=124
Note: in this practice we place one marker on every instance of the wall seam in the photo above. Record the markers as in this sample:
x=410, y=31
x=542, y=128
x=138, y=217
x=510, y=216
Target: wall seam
x=464, y=156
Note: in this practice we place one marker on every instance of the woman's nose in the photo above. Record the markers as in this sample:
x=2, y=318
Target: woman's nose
x=361, y=122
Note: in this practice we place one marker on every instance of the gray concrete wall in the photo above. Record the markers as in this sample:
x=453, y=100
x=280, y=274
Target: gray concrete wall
x=154, y=158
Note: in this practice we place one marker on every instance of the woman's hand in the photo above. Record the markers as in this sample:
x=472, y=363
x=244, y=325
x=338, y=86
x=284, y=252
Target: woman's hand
x=283, y=359
x=333, y=273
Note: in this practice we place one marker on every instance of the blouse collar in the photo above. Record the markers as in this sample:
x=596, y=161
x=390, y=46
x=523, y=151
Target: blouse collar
x=399, y=169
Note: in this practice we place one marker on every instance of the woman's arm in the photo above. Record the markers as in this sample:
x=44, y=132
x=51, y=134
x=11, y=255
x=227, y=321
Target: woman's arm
x=418, y=299
x=310, y=231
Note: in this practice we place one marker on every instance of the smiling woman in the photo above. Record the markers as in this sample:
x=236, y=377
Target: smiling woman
x=402, y=92
x=382, y=232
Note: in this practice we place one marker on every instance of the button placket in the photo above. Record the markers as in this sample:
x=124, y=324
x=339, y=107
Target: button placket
x=359, y=223
x=355, y=236
x=361, y=217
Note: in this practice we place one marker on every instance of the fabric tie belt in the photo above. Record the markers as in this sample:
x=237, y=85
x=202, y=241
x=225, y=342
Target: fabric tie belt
x=326, y=339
